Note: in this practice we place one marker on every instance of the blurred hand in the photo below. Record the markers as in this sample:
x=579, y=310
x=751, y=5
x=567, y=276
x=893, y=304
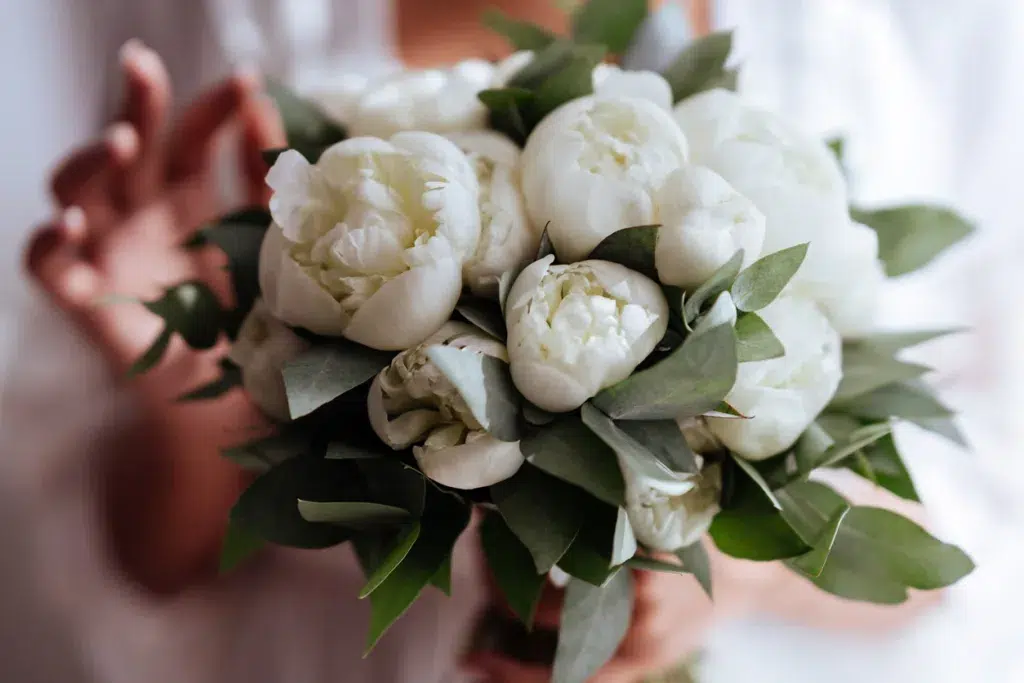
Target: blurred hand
x=128, y=200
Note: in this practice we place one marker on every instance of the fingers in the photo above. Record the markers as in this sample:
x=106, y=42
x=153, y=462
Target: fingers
x=147, y=100
x=262, y=129
x=192, y=142
x=85, y=179
x=54, y=258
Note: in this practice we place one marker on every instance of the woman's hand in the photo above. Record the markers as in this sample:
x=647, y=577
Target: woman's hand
x=128, y=200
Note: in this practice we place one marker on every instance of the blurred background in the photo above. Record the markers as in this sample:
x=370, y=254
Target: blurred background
x=928, y=96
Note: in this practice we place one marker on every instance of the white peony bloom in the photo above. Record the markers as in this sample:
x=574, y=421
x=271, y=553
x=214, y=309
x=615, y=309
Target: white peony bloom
x=434, y=100
x=667, y=518
x=372, y=238
x=263, y=347
x=782, y=396
x=507, y=238
x=704, y=221
x=411, y=403
x=575, y=330
x=610, y=80
x=595, y=165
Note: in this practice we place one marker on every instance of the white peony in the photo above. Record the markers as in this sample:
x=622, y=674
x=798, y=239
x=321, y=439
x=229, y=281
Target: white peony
x=595, y=166
x=704, y=221
x=782, y=396
x=339, y=96
x=669, y=517
x=507, y=237
x=574, y=330
x=263, y=347
x=411, y=403
x=433, y=100
x=371, y=239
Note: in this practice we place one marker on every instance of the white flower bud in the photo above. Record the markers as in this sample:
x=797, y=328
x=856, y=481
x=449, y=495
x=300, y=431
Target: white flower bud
x=610, y=80
x=667, y=519
x=411, y=403
x=372, y=238
x=782, y=396
x=574, y=330
x=595, y=165
x=263, y=347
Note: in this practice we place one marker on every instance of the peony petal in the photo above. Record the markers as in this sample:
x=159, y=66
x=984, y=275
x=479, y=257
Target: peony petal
x=476, y=464
x=546, y=387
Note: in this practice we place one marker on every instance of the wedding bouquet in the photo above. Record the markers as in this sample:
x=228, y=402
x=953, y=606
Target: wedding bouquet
x=616, y=310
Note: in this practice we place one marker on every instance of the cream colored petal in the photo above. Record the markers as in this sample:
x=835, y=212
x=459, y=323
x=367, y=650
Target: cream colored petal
x=473, y=465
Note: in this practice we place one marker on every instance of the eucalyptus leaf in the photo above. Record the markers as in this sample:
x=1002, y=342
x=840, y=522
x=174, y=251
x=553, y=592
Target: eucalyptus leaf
x=588, y=562
x=943, y=426
x=570, y=451
x=889, y=343
x=229, y=378
x=676, y=296
x=701, y=66
x=260, y=455
x=574, y=80
x=631, y=247
x=513, y=568
x=689, y=382
x=755, y=476
x=593, y=623
x=305, y=124
x=545, y=248
x=611, y=23
x=755, y=341
x=485, y=384
x=720, y=281
x=764, y=280
x=856, y=440
x=536, y=416
x=837, y=146
x=521, y=35
x=894, y=400
x=911, y=237
x=696, y=561
x=509, y=110
x=326, y=371
x=483, y=313
x=632, y=453
x=351, y=513
x=888, y=470
x=665, y=441
x=152, y=355
x=394, y=554
x=239, y=545
x=865, y=369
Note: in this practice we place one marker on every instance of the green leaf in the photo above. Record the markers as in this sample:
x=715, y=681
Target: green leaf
x=485, y=385
x=611, y=23
x=888, y=469
x=192, y=310
x=943, y=426
x=594, y=622
x=911, y=237
x=568, y=450
x=696, y=561
x=816, y=512
x=762, y=282
x=631, y=247
x=545, y=64
x=483, y=313
x=690, y=381
x=393, y=557
x=574, y=80
x=647, y=564
x=604, y=541
x=508, y=109
x=152, y=355
x=665, y=441
x=536, y=416
x=841, y=449
x=325, y=372
x=512, y=566
x=544, y=513
x=351, y=513
x=545, y=248
x=755, y=341
x=865, y=369
x=265, y=453
x=305, y=124
x=238, y=545
x=701, y=66
x=521, y=35
x=837, y=146
x=894, y=400
x=888, y=343
x=229, y=378
x=720, y=281
x=756, y=477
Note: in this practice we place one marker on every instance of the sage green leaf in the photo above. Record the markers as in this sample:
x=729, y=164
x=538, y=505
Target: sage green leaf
x=484, y=314
x=911, y=237
x=865, y=369
x=943, y=426
x=812, y=509
x=701, y=66
x=888, y=343
x=603, y=539
x=665, y=441
x=675, y=296
x=811, y=445
x=888, y=470
x=568, y=450
x=720, y=281
x=647, y=564
x=512, y=566
x=239, y=545
x=631, y=247
x=813, y=563
x=611, y=23
x=755, y=340
x=305, y=124
x=442, y=580
x=837, y=146
x=351, y=513
x=485, y=385
x=521, y=35
x=586, y=562
x=542, y=511
x=230, y=377
x=536, y=416
x=509, y=109
x=900, y=399
x=152, y=355
x=594, y=622
x=572, y=81
x=445, y=517
x=393, y=556
x=325, y=372
x=689, y=382
x=546, y=63
x=262, y=454
x=843, y=448
x=696, y=561
x=755, y=476
x=545, y=248
x=632, y=453
x=762, y=282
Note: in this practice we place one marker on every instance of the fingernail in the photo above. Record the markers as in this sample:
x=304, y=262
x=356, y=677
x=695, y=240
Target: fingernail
x=123, y=139
x=80, y=283
x=73, y=222
x=249, y=76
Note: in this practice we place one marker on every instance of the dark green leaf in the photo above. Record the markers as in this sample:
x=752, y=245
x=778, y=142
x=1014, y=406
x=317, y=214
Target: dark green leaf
x=192, y=310
x=604, y=541
x=632, y=248
x=720, y=281
x=522, y=35
x=664, y=440
x=152, y=355
x=568, y=450
x=675, y=297
x=229, y=378
x=509, y=110
x=545, y=64
x=265, y=453
x=701, y=66
x=325, y=372
x=696, y=561
x=593, y=624
x=305, y=124
x=689, y=382
x=894, y=400
x=632, y=452
x=483, y=313
x=887, y=468
x=865, y=369
x=647, y=564
x=755, y=340
x=513, y=568
x=762, y=282
x=238, y=546
x=485, y=385
x=536, y=416
x=545, y=513
x=353, y=514
x=911, y=237
x=574, y=80
x=813, y=563
x=585, y=562
x=816, y=512
x=393, y=556
x=611, y=23
x=755, y=476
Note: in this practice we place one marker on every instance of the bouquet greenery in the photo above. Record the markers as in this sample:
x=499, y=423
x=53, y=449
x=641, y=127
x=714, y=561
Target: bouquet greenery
x=615, y=309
